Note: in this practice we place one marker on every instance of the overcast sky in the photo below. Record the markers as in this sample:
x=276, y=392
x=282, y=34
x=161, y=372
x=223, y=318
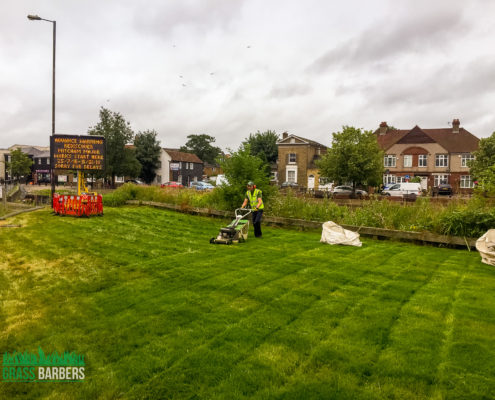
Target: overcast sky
x=229, y=68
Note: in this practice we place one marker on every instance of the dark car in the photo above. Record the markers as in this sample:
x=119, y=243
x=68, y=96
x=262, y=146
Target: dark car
x=444, y=189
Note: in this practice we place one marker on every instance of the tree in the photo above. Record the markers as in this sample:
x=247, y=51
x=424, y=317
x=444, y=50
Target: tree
x=239, y=169
x=263, y=145
x=119, y=161
x=354, y=157
x=201, y=146
x=19, y=164
x=482, y=168
x=148, y=154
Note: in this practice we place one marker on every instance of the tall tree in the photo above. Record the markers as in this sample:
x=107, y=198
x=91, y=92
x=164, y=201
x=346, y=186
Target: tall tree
x=19, y=164
x=263, y=145
x=240, y=168
x=118, y=133
x=354, y=157
x=482, y=168
x=148, y=154
x=201, y=146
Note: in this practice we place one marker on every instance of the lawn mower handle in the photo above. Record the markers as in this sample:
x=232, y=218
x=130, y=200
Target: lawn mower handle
x=238, y=212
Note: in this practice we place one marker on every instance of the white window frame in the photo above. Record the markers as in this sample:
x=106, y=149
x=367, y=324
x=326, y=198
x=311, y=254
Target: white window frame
x=466, y=182
x=390, y=160
x=422, y=159
x=389, y=179
x=441, y=160
x=290, y=158
x=439, y=179
x=291, y=169
x=464, y=159
x=409, y=162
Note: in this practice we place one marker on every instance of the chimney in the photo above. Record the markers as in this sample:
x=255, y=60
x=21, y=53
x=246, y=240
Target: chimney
x=383, y=128
x=455, y=125
x=285, y=135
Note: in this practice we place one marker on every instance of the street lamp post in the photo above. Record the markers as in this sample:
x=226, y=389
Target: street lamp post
x=37, y=18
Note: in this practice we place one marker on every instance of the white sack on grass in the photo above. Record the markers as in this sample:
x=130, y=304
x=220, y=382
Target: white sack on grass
x=335, y=234
x=486, y=246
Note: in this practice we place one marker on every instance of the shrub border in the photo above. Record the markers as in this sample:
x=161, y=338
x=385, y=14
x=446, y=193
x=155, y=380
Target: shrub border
x=418, y=237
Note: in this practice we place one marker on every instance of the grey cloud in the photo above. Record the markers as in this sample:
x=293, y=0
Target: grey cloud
x=289, y=90
x=448, y=83
x=201, y=15
x=391, y=38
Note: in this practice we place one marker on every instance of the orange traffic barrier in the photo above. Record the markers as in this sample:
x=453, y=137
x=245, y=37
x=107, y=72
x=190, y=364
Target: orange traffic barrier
x=79, y=206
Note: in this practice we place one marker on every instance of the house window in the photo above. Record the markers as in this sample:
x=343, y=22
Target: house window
x=292, y=158
x=159, y=164
x=39, y=161
x=465, y=158
x=408, y=161
x=388, y=179
x=389, y=160
x=48, y=161
x=466, y=182
x=439, y=179
x=441, y=160
x=422, y=160
x=291, y=176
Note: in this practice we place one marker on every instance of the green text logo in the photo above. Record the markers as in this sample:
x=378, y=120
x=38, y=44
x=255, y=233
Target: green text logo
x=41, y=367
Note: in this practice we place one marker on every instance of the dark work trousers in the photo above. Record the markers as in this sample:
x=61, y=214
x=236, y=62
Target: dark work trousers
x=257, y=222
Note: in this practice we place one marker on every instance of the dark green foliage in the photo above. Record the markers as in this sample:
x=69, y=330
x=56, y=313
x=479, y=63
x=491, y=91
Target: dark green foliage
x=354, y=157
x=469, y=222
x=201, y=146
x=19, y=165
x=241, y=168
x=118, y=133
x=159, y=313
x=148, y=154
x=263, y=145
x=482, y=168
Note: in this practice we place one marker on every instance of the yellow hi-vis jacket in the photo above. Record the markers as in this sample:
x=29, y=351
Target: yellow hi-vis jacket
x=253, y=198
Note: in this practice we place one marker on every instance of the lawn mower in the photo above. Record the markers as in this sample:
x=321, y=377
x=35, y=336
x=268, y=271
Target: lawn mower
x=236, y=231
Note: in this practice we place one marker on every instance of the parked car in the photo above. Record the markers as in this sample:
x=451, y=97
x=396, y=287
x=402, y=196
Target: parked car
x=443, y=189
x=172, y=184
x=293, y=185
x=328, y=187
x=404, y=189
x=347, y=190
x=135, y=181
x=201, y=185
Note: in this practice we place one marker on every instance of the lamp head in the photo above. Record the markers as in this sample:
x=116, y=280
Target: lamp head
x=34, y=17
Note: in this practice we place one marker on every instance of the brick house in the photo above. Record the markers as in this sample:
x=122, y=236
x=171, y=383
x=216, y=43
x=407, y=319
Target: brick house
x=181, y=167
x=296, y=160
x=435, y=155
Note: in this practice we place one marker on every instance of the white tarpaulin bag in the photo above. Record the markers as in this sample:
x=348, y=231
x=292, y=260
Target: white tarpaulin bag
x=335, y=234
x=486, y=246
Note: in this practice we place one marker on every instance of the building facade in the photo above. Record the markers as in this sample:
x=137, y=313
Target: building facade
x=296, y=161
x=434, y=155
x=178, y=166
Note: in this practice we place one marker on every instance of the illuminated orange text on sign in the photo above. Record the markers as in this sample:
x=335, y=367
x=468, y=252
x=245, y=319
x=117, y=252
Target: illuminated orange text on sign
x=78, y=152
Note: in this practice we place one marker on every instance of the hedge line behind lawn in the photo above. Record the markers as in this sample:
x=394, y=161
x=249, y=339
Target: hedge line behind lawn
x=467, y=219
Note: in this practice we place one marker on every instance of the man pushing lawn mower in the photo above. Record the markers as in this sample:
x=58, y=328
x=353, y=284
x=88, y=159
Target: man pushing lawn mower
x=237, y=230
x=253, y=197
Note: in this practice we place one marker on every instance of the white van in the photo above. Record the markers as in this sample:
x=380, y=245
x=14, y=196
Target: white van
x=400, y=189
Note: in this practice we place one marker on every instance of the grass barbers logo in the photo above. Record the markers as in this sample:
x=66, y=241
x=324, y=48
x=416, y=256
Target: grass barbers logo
x=41, y=367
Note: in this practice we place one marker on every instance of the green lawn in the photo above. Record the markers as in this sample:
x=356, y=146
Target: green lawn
x=160, y=313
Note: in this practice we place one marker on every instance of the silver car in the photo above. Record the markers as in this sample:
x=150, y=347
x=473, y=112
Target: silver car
x=348, y=191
